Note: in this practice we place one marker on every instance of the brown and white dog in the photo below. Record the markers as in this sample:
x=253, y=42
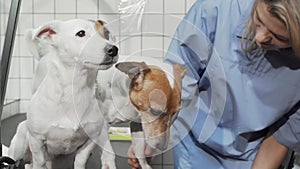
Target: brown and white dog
x=64, y=115
x=148, y=95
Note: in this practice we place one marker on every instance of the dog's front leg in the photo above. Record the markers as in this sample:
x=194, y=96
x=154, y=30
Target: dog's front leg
x=108, y=155
x=138, y=144
x=37, y=150
x=83, y=154
x=19, y=143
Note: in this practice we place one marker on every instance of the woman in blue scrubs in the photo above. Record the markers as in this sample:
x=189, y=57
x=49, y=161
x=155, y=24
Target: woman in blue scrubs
x=243, y=76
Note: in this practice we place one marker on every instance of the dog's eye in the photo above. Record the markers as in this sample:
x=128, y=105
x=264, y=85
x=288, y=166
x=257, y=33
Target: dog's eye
x=156, y=112
x=80, y=33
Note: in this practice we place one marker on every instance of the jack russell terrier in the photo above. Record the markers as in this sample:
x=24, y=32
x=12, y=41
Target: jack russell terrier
x=63, y=115
x=145, y=92
x=67, y=115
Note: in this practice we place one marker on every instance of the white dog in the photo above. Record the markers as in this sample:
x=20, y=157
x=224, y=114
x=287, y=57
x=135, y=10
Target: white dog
x=64, y=116
x=148, y=95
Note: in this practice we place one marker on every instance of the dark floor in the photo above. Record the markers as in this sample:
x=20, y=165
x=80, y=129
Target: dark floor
x=8, y=129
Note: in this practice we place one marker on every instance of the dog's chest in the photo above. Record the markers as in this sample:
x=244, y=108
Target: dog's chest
x=63, y=140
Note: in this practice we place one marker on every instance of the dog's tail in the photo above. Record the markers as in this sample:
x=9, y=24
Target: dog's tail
x=19, y=146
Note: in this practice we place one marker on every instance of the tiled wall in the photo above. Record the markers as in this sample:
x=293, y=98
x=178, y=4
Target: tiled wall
x=157, y=25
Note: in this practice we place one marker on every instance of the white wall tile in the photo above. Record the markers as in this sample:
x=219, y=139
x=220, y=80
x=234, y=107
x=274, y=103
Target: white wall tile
x=87, y=16
x=26, y=67
x=130, y=45
x=13, y=89
x=16, y=46
x=65, y=17
x=24, y=50
x=131, y=24
x=65, y=6
x=5, y=6
x=132, y=6
x=25, y=23
x=41, y=6
x=109, y=18
x=26, y=6
x=174, y=6
x=40, y=19
x=152, y=46
x=152, y=24
x=154, y=6
x=1, y=43
x=171, y=23
x=108, y=6
x=14, y=71
x=86, y=6
x=112, y=23
x=167, y=41
x=26, y=89
x=3, y=24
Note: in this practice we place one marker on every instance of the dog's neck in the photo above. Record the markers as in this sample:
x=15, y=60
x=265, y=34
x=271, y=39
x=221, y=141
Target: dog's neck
x=68, y=84
x=67, y=80
x=71, y=74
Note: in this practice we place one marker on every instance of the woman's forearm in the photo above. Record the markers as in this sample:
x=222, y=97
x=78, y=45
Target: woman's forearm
x=270, y=155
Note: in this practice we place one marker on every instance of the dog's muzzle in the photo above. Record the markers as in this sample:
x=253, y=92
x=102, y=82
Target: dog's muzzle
x=111, y=50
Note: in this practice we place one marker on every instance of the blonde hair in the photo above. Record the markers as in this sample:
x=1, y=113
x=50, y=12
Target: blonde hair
x=288, y=11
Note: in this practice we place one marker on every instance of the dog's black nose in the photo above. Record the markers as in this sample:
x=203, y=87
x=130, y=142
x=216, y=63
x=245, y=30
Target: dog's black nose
x=111, y=50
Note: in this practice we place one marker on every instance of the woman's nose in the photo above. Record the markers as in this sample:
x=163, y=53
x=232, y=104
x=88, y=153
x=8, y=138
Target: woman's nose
x=263, y=36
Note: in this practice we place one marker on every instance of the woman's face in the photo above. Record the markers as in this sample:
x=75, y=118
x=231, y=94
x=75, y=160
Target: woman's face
x=271, y=33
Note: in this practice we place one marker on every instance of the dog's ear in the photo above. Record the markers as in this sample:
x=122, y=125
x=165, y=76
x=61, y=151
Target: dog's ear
x=132, y=68
x=158, y=102
x=46, y=30
x=37, y=39
x=136, y=72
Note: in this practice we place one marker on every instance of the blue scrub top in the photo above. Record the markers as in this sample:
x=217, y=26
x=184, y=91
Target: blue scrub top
x=227, y=92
